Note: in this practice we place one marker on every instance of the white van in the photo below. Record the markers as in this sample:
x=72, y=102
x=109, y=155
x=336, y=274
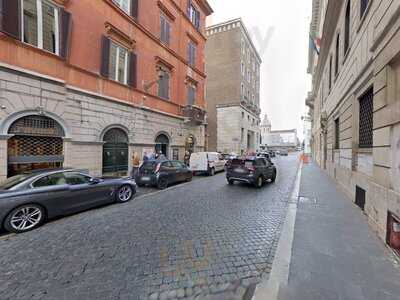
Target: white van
x=210, y=162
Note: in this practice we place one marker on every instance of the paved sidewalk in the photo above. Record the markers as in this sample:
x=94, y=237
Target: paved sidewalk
x=335, y=254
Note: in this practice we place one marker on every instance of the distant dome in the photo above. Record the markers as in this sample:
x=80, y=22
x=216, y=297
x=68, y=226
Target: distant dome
x=266, y=121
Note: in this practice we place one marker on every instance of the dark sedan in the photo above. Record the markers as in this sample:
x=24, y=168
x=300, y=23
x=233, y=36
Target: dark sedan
x=162, y=173
x=27, y=200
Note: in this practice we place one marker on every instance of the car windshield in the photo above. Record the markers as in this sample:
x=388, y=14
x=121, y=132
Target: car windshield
x=13, y=181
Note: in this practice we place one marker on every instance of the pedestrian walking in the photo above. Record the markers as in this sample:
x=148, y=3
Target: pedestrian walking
x=135, y=163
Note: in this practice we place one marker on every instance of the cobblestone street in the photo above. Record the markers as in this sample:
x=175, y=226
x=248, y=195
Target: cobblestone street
x=190, y=240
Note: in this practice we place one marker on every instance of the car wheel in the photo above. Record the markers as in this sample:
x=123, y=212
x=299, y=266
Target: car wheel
x=162, y=183
x=273, y=178
x=125, y=193
x=231, y=182
x=211, y=172
x=24, y=218
x=259, y=182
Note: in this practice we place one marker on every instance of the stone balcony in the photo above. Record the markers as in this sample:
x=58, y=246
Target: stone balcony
x=194, y=114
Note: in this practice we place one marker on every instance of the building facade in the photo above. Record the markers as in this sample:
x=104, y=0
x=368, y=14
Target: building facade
x=355, y=104
x=232, y=89
x=88, y=83
x=277, y=139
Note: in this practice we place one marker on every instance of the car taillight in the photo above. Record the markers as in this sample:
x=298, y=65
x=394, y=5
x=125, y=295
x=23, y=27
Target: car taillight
x=251, y=169
x=158, y=167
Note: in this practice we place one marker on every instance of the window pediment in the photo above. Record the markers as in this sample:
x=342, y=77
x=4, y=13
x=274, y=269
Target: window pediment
x=119, y=36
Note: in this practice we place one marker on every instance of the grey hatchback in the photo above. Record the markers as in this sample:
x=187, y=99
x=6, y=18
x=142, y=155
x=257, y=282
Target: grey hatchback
x=27, y=200
x=252, y=169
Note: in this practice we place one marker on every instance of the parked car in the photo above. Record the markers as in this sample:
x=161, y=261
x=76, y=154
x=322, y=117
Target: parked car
x=284, y=152
x=162, y=173
x=27, y=200
x=207, y=162
x=266, y=155
x=252, y=170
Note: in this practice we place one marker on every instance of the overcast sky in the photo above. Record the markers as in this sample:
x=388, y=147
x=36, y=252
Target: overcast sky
x=284, y=78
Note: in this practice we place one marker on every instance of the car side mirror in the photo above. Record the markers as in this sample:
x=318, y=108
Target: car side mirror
x=94, y=181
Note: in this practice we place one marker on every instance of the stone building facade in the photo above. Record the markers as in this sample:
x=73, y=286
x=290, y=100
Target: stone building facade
x=232, y=89
x=355, y=104
x=88, y=90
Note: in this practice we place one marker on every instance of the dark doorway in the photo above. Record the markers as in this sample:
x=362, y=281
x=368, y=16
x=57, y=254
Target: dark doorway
x=162, y=144
x=115, y=152
x=36, y=143
x=360, y=197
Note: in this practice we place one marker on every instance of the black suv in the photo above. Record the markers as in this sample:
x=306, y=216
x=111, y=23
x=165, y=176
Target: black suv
x=253, y=170
x=162, y=173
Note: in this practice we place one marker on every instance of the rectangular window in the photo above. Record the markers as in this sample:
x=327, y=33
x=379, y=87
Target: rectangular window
x=165, y=28
x=40, y=25
x=124, y=4
x=242, y=69
x=242, y=90
x=366, y=119
x=330, y=73
x=337, y=55
x=118, y=68
x=337, y=134
x=194, y=16
x=192, y=54
x=364, y=5
x=191, y=93
x=347, y=28
x=163, y=85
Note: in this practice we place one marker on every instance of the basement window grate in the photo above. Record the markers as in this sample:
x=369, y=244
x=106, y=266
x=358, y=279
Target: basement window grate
x=360, y=198
x=366, y=119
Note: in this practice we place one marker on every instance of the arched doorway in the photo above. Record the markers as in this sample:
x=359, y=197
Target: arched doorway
x=115, y=152
x=162, y=144
x=37, y=143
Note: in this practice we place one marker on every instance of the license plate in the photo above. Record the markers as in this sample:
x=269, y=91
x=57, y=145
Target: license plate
x=145, y=178
x=238, y=170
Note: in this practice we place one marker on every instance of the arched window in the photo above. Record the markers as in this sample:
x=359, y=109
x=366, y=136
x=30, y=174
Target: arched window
x=36, y=144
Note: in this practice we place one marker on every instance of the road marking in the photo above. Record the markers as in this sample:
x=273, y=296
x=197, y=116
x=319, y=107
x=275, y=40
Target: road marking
x=268, y=289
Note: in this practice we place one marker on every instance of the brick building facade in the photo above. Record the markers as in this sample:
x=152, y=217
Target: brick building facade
x=88, y=83
x=355, y=104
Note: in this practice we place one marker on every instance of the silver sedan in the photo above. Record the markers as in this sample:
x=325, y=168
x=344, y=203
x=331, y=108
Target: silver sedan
x=27, y=200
